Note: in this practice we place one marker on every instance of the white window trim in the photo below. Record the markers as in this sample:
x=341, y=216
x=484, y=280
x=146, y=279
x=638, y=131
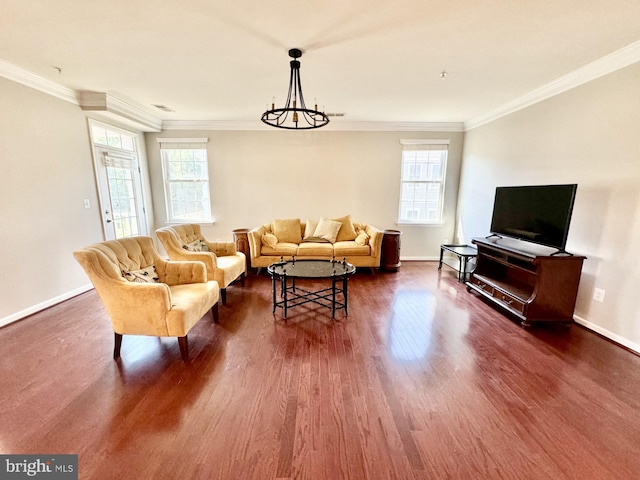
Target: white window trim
x=423, y=144
x=195, y=140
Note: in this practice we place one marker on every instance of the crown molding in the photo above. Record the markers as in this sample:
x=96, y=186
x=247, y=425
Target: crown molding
x=29, y=79
x=114, y=108
x=608, y=64
x=257, y=125
x=101, y=102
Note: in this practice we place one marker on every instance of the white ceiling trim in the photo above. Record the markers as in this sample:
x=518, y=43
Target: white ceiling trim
x=608, y=64
x=332, y=126
x=131, y=115
x=29, y=79
x=101, y=101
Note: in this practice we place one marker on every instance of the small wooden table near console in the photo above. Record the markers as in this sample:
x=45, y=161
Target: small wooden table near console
x=528, y=285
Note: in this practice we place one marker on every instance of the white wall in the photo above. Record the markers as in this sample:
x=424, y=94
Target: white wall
x=46, y=172
x=261, y=175
x=589, y=136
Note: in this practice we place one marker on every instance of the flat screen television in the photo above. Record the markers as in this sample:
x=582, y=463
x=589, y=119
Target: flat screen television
x=537, y=213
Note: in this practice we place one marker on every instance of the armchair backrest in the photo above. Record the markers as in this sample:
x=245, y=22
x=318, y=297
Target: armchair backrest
x=105, y=261
x=175, y=237
x=148, y=303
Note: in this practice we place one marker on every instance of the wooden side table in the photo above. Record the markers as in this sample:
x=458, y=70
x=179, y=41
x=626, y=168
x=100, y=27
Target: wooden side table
x=242, y=243
x=390, y=254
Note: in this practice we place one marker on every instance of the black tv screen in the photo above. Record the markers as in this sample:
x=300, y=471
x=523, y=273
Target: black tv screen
x=537, y=213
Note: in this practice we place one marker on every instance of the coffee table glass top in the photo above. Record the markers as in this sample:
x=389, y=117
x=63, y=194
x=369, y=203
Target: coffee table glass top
x=311, y=268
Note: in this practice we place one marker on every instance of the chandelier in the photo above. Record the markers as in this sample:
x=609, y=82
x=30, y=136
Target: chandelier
x=295, y=115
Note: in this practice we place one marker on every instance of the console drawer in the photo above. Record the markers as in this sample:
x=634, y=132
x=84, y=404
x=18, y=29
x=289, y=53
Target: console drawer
x=485, y=287
x=510, y=301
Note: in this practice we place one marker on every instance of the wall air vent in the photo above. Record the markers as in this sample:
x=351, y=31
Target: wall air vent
x=164, y=108
x=336, y=114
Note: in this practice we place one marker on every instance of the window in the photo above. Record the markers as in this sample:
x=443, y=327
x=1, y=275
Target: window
x=186, y=179
x=424, y=164
x=107, y=136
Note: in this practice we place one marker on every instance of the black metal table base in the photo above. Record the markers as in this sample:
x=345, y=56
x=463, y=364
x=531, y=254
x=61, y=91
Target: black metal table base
x=293, y=296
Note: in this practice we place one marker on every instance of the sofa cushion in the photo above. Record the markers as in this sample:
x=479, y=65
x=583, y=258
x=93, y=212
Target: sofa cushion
x=347, y=231
x=362, y=238
x=315, y=240
x=310, y=228
x=287, y=230
x=269, y=239
x=327, y=229
x=281, y=249
x=315, y=249
x=345, y=249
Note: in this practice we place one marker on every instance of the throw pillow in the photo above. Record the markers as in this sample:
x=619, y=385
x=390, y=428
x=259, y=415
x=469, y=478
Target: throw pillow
x=310, y=228
x=269, y=239
x=362, y=238
x=315, y=240
x=347, y=232
x=144, y=275
x=288, y=230
x=196, y=246
x=327, y=229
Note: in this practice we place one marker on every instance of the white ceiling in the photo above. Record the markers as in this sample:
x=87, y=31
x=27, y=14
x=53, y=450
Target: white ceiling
x=374, y=60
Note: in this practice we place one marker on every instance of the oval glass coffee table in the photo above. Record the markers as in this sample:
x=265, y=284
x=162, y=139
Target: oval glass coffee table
x=334, y=297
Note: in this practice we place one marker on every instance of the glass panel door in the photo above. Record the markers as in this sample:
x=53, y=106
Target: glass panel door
x=119, y=183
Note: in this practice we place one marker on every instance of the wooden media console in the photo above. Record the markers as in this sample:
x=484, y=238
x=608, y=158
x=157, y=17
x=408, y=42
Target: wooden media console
x=530, y=286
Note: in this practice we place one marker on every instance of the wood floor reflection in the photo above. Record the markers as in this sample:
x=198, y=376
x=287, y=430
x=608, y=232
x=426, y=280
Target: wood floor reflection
x=421, y=381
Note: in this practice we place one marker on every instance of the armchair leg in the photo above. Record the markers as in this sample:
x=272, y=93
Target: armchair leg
x=223, y=294
x=215, y=312
x=184, y=348
x=242, y=277
x=118, y=344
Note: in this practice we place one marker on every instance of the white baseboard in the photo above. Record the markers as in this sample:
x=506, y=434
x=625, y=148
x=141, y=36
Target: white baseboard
x=42, y=305
x=606, y=333
x=420, y=259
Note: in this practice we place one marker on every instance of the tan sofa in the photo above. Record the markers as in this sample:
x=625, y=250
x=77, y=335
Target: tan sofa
x=360, y=244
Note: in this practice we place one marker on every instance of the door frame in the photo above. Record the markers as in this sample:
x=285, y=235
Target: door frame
x=98, y=151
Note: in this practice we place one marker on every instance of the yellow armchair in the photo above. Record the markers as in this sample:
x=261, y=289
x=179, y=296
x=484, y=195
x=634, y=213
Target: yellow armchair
x=168, y=304
x=224, y=263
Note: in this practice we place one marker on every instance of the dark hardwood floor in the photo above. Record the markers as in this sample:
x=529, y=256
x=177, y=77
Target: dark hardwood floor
x=421, y=381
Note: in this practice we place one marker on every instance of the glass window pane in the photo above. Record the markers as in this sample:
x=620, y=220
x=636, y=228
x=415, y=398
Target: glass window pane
x=113, y=139
x=422, y=185
x=187, y=183
x=127, y=143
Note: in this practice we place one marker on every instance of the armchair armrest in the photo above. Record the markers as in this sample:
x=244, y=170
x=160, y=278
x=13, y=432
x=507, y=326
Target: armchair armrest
x=375, y=240
x=255, y=241
x=222, y=248
x=137, y=308
x=182, y=272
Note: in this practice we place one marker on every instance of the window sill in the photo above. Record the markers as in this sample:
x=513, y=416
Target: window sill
x=411, y=224
x=194, y=222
